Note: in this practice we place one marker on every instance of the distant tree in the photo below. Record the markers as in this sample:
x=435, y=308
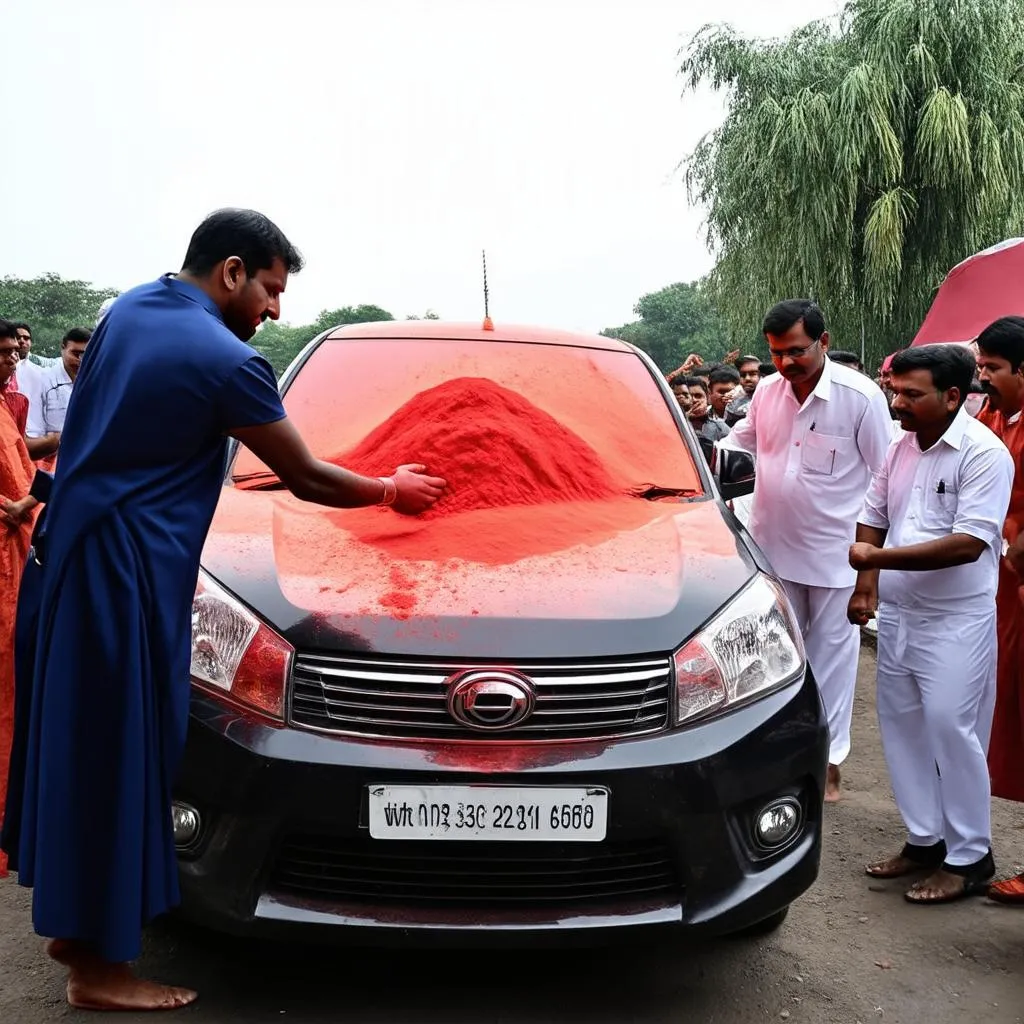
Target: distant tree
x=861, y=159
x=674, y=322
x=51, y=305
x=281, y=343
x=429, y=315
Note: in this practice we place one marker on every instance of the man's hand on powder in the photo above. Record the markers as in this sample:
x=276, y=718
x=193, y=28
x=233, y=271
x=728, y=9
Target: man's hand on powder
x=862, y=556
x=416, y=491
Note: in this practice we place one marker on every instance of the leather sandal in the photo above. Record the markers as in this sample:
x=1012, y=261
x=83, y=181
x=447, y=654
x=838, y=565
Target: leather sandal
x=977, y=879
x=921, y=858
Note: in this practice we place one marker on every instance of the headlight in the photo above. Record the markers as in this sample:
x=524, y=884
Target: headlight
x=234, y=653
x=751, y=648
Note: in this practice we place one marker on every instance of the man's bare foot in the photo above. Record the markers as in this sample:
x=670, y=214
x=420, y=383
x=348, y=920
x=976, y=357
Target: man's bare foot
x=116, y=988
x=832, y=781
x=94, y=984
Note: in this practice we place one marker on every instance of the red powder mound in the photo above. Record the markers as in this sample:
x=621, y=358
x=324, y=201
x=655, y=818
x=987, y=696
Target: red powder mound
x=493, y=536
x=495, y=448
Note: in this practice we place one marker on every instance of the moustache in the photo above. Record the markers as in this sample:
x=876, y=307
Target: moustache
x=988, y=389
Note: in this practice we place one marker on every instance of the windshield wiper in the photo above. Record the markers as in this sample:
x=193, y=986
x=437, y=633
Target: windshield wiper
x=652, y=492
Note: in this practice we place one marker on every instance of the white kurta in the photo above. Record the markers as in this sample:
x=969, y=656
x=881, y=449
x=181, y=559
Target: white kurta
x=814, y=464
x=53, y=392
x=937, y=633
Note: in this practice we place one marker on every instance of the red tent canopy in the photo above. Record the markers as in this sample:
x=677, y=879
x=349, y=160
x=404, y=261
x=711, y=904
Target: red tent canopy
x=981, y=289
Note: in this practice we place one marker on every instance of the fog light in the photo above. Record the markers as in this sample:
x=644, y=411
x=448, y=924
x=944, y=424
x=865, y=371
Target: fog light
x=777, y=823
x=186, y=824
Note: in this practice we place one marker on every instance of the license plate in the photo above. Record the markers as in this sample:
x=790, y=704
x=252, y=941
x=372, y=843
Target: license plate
x=506, y=813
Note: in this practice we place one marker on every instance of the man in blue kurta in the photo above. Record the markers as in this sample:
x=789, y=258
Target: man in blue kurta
x=167, y=378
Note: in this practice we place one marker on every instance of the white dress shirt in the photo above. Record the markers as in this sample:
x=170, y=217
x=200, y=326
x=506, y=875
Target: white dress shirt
x=814, y=464
x=49, y=405
x=959, y=485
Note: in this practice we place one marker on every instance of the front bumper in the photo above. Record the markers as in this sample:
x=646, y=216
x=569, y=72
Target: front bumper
x=284, y=831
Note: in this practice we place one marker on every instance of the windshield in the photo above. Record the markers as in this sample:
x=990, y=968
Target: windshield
x=608, y=400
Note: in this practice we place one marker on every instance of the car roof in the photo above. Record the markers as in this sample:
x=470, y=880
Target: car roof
x=448, y=331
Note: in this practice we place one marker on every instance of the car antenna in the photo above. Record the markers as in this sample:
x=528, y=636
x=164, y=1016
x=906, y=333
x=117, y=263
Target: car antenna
x=488, y=322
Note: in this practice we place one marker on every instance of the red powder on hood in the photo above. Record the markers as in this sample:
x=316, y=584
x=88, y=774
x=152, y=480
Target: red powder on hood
x=495, y=448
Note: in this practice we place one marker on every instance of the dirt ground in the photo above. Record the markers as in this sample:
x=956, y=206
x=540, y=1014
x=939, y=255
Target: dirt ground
x=851, y=951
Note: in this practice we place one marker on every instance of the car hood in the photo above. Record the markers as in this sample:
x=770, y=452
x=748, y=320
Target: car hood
x=571, y=580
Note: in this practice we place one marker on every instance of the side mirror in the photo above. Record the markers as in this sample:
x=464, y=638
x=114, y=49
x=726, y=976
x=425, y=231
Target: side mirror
x=734, y=472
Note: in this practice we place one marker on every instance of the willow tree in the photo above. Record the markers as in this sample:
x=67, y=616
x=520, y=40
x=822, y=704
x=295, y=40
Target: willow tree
x=860, y=159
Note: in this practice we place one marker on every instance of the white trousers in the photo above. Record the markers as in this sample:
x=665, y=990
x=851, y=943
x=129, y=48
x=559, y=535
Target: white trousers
x=936, y=696
x=833, y=650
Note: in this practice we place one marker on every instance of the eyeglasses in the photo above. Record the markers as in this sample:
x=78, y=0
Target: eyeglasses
x=793, y=353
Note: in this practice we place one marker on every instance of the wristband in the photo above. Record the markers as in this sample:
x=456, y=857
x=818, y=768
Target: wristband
x=390, y=490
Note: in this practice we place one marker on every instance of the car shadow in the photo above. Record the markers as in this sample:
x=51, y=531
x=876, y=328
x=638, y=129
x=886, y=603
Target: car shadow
x=253, y=981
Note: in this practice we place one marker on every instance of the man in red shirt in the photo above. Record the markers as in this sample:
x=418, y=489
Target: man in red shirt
x=1001, y=373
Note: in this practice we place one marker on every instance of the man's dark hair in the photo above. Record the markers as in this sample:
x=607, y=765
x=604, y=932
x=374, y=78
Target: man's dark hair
x=255, y=239
x=79, y=334
x=846, y=358
x=951, y=366
x=20, y=325
x=743, y=360
x=1005, y=340
x=724, y=375
x=8, y=330
x=706, y=370
x=784, y=315
x=767, y=369
x=696, y=382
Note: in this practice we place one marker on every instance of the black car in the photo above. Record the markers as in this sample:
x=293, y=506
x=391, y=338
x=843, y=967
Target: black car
x=400, y=731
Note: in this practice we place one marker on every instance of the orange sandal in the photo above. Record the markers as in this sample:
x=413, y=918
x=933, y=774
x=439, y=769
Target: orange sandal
x=1010, y=891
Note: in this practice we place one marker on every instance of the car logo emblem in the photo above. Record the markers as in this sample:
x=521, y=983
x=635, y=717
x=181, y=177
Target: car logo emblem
x=488, y=700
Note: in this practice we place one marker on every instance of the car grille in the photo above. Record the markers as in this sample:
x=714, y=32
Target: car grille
x=406, y=700
x=476, y=874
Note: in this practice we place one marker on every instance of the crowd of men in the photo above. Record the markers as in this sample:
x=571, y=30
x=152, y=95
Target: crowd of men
x=45, y=383
x=899, y=500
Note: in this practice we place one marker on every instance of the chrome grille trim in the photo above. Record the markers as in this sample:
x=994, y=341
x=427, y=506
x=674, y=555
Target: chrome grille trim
x=405, y=700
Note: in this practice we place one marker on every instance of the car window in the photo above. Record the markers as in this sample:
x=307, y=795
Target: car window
x=609, y=398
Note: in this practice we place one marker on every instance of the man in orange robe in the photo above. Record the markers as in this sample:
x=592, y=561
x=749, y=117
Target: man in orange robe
x=16, y=473
x=1001, y=372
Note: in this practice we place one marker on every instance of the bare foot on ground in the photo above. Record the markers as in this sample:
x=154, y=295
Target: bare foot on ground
x=94, y=984
x=832, y=781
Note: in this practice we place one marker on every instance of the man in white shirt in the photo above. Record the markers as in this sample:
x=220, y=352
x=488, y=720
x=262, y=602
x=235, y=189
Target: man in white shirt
x=46, y=416
x=818, y=430
x=928, y=546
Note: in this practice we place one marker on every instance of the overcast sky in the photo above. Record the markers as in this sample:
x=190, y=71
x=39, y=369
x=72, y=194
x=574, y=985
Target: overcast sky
x=391, y=139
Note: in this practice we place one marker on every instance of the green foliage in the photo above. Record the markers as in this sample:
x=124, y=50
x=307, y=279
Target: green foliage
x=861, y=159
x=51, y=306
x=281, y=343
x=674, y=322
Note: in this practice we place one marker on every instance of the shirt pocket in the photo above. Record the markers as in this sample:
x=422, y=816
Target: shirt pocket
x=940, y=509
x=824, y=454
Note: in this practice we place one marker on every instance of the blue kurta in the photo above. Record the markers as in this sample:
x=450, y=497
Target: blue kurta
x=139, y=473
